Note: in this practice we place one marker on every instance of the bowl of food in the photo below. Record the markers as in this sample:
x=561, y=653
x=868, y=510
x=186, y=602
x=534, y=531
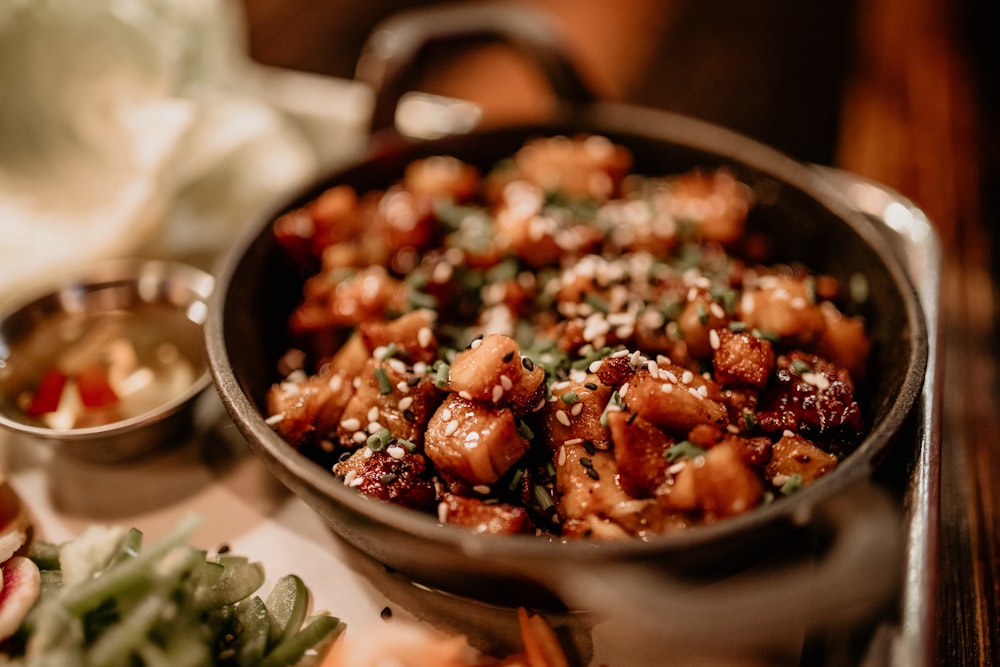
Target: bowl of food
x=624, y=337
x=107, y=366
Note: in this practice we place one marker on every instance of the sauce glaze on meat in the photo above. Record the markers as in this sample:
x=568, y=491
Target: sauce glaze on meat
x=562, y=346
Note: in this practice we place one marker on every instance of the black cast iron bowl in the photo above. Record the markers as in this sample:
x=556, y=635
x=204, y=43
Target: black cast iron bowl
x=258, y=286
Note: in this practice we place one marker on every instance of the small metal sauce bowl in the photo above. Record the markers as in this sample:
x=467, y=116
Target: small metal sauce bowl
x=143, y=319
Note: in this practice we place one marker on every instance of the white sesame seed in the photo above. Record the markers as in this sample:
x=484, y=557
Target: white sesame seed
x=562, y=417
x=373, y=414
x=576, y=409
x=476, y=343
x=481, y=489
x=694, y=392
x=379, y=352
x=662, y=360
x=374, y=427
x=713, y=339
x=562, y=456
x=788, y=434
x=351, y=424
x=717, y=310
x=652, y=367
x=403, y=387
x=618, y=354
x=336, y=382
x=357, y=481
x=595, y=366
x=451, y=427
x=497, y=393
x=397, y=365
x=623, y=390
x=395, y=451
x=703, y=390
x=670, y=376
x=506, y=383
x=636, y=359
x=779, y=480
x=817, y=380
x=275, y=419
x=359, y=437
x=350, y=477
x=425, y=336
x=446, y=414
x=666, y=387
x=420, y=368
x=464, y=394
x=677, y=467
x=367, y=453
x=405, y=402
x=686, y=377
x=356, y=382
x=442, y=512
x=573, y=441
x=732, y=428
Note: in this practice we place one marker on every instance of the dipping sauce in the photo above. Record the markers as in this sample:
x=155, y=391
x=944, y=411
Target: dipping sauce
x=82, y=370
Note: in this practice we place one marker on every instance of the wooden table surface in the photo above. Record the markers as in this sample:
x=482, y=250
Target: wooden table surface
x=895, y=90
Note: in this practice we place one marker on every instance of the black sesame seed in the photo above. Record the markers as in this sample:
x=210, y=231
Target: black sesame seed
x=588, y=446
x=591, y=386
x=592, y=474
x=385, y=614
x=409, y=416
x=631, y=418
x=508, y=357
x=586, y=462
x=528, y=363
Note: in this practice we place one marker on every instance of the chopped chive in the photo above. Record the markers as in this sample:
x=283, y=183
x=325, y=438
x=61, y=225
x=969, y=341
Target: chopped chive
x=749, y=421
x=800, y=366
x=765, y=335
x=570, y=397
x=684, y=449
x=811, y=290
x=379, y=440
x=391, y=350
x=441, y=375
x=382, y=378
x=598, y=303
x=793, y=484
x=421, y=300
x=736, y=326
x=525, y=430
x=388, y=478
x=408, y=445
x=543, y=498
x=515, y=480
x=702, y=314
x=614, y=403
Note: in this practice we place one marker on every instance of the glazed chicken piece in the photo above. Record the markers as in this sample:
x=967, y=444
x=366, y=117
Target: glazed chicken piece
x=794, y=455
x=741, y=359
x=481, y=517
x=389, y=397
x=573, y=413
x=811, y=396
x=492, y=371
x=473, y=442
x=393, y=474
x=591, y=502
x=844, y=341
x=579, y=167
x=784, y=307
x=673, y=398
x=717, y=484
x=639, y=453
x=715, y=201
x=332, y=301
x=411, y=334
x=700, y=315
x=301, y=406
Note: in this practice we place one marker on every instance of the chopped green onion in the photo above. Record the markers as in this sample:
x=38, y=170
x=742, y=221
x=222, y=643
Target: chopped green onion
x=379, y=440
x=382, y=378
x=683, y=450
x=515, y=480
x=800, y=366
x=598, y=303
x=441, y=375
x=570, y=397
x=543, y=498
x=793, y=484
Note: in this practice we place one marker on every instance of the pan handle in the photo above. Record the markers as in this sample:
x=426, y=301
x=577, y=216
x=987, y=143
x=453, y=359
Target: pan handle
x=390, y=55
